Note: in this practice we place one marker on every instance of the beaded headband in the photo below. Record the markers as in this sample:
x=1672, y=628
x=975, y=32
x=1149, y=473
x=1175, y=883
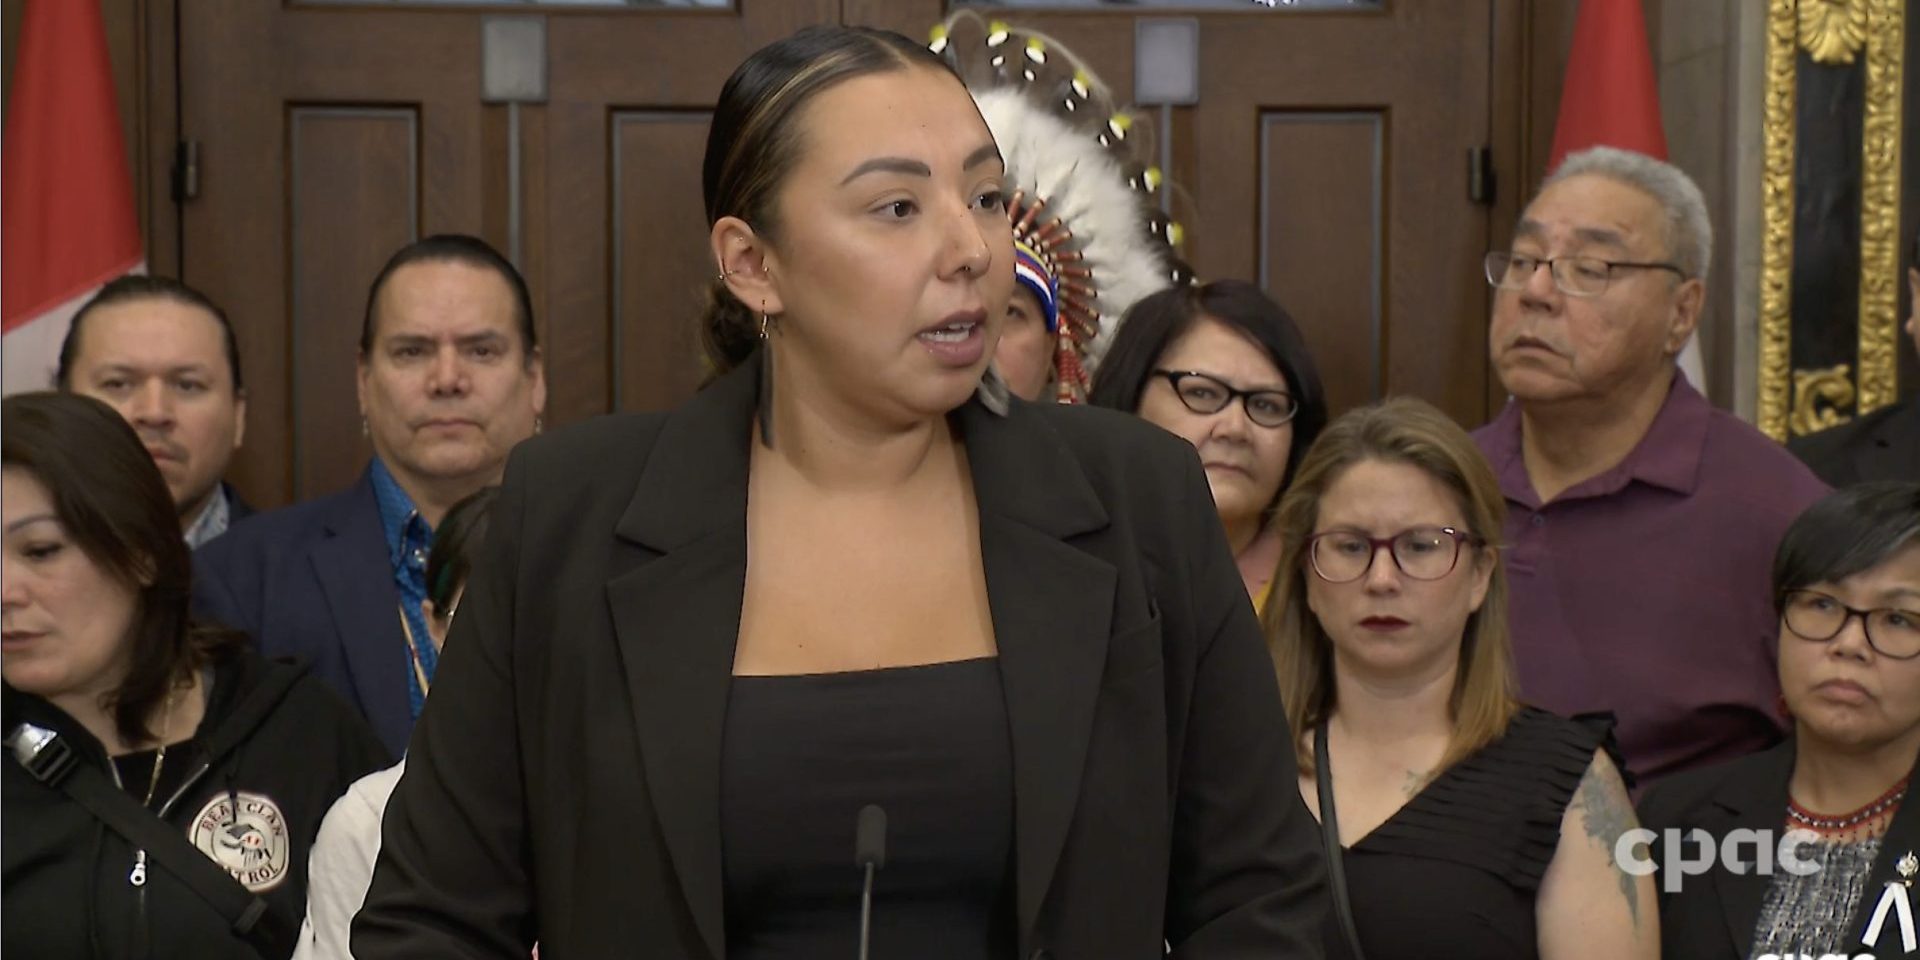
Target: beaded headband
x=1037, y=275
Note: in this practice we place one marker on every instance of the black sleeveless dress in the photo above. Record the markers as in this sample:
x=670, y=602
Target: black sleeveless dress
x=803, y=754
x=1454, y=873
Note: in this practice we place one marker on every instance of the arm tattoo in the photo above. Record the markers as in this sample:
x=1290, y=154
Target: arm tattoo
x=1605, y=810
x=1416, y=781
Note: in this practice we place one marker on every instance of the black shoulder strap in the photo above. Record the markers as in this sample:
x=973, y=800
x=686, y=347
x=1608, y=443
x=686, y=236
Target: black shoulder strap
x=1330, y=832
x=52, y=761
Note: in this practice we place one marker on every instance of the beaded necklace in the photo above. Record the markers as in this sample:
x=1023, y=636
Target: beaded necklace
x=1847, y=823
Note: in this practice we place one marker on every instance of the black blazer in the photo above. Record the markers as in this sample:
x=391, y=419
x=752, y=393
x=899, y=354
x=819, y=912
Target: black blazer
x=1883, y=445
x=313, y=581
x=564, y=782
x=1713, y=915
x=237, y=508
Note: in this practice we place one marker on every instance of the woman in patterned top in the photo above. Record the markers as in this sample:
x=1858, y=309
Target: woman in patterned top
x=1835, y=858
x=1467, y=825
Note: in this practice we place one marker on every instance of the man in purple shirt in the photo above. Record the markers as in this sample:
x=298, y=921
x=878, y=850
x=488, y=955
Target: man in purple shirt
x=1642, y=522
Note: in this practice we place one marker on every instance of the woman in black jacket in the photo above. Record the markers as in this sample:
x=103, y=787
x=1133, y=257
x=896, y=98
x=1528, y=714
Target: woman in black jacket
x=851, y=572
x=163, y=783
x=1810, y=847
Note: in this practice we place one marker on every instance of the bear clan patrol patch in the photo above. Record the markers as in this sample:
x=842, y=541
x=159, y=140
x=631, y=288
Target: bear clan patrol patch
x=248, y=838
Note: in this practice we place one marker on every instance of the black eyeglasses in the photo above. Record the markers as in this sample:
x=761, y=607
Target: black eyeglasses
x=1423, y=553
x=1204, y=394
x=1575, y=276
x=1816, y=616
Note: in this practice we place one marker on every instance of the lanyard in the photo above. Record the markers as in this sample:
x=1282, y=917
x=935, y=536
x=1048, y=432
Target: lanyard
x=413, y=654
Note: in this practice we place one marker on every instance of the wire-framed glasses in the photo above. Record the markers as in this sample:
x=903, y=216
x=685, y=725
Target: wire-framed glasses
x=1575, y=276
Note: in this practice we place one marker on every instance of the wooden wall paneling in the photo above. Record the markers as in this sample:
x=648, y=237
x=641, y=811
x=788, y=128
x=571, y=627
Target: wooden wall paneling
x=353, y=172
x=1437, y=298
x=662, y=268
x=423, y=58
x=1508, y=98
x=233, y=244
x=608, y=351
x=1549, y=35
x=493, y=162
x=1435, y=107
x=1317, y=169
x=158, y=132
x=12, y=14
x=577, y=221
x=258, y=75
x=534, y=212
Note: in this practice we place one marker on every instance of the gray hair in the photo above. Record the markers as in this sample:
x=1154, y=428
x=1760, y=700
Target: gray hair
x=1689, y=231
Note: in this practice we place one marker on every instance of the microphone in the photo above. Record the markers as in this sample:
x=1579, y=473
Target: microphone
x=869, y=853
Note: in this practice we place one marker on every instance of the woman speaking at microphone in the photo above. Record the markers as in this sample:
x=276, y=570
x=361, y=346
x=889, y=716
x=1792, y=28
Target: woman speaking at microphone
x=852, y=571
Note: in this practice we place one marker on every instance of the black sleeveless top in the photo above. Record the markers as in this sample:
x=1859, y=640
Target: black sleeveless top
x=803, y=754
x=1454, y=873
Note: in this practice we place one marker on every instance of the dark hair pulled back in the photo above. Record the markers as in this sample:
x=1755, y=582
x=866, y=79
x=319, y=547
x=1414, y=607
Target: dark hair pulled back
x=755, y=139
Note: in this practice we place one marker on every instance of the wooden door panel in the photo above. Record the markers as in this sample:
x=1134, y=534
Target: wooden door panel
x=1326, y=158
x=309, y=184
x=1317, y=168
x=575, y=301
x=353, y=172
x=1397, y=206
x=662, y=267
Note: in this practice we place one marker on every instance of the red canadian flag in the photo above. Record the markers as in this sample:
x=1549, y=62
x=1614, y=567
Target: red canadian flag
x=67, y=222
x=1610, y=98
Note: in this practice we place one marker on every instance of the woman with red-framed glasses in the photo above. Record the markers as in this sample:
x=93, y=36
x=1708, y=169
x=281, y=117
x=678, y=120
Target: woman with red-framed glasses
x=1456, y=821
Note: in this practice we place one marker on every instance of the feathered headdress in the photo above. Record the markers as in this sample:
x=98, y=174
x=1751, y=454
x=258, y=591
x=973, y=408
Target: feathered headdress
x=1089, y=241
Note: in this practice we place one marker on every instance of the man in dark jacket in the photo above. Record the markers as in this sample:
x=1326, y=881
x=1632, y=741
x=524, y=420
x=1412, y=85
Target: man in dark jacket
x=450, y=379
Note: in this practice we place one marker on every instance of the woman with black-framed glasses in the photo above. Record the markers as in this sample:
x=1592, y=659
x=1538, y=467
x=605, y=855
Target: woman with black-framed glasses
x=1223, y=367
x=1846, y=583
x=1456, y=821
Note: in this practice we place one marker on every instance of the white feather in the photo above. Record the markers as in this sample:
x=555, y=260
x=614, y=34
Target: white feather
x=1085, y=186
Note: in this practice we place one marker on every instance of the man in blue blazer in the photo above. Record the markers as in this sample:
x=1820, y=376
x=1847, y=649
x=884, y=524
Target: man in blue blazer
x=449, y=378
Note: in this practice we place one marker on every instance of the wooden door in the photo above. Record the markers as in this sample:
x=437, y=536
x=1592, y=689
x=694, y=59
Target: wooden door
x=329, y=135
x=1327, y=159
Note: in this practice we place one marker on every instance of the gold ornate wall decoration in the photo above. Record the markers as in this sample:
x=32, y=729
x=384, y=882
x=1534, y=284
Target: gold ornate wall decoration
x=1880, y=207
x=1833, y=31
x=1821, y=398
x=1776, y=242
